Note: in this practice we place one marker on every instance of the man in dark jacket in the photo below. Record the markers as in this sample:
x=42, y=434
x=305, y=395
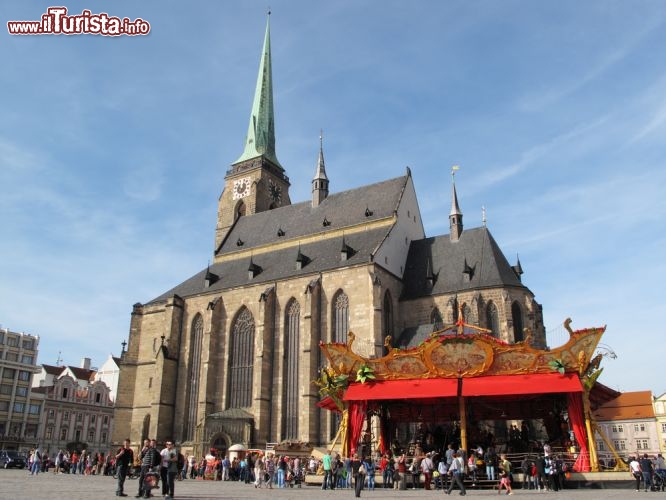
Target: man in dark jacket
x=150, y=457
x=124, y=460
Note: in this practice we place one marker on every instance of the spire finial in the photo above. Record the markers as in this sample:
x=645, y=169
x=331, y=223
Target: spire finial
x=483, y=215
x=260, y=139
x=454, y=168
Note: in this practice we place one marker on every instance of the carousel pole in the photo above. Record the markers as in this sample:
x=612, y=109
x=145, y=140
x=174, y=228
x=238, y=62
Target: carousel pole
x=463, y=422
x=594, y=460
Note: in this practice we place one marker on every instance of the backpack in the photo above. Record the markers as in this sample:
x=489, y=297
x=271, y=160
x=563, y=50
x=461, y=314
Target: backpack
x=181, y=461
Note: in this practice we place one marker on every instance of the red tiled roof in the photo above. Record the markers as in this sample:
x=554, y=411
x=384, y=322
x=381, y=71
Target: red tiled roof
x=82, y=373
x=627, y=406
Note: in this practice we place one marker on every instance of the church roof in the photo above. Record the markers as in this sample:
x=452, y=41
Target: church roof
x=337, y=211
x=344, y=210
x=438, y=265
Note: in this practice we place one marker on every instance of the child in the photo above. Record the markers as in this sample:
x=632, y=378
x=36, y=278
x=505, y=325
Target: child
x=504, y=481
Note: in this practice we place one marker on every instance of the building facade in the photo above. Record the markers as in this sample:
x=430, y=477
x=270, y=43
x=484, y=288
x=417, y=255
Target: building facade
x=19, y=410
x=660, y=414
x=78, y=409
x=229, y=355
x=630, y=424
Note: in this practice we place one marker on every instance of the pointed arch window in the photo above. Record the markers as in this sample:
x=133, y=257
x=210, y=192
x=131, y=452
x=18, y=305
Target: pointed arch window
x=454, y=310
x=436, y=319
x=467, y=314
x=292, y=342
x=241, y=361
x=517, y=317
x=387, y=317
x=492, y=319
x=240, y=210
x=340, y=317
x=196, y=340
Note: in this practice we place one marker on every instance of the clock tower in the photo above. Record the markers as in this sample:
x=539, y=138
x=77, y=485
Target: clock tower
x=256, y=181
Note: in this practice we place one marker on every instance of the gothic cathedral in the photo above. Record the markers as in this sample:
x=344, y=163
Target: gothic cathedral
x=229, y=355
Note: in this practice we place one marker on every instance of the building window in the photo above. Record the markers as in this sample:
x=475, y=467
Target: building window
x=663, y=427
x=51, y=413
x=291, y=350
x=91, y=435
x=12, y=341
x=19, y=407
x=639, y=427
x=492, y=319
x=517, y=317
x=28, y=344
x=93, y=419
x=9, y=373
x=11, y=356
x=65, y=392
x=619, y=444
x=77, y=435
x=242, y=360
x=65, y=416
x=6, y=389
x=103, y=437
x=150, y=382
x=641, y=444
x=4, y=406
x=453, y=303
x=30, y=430
x=27, y=359
x=63, y=433
x=106, y=420
x=617, y=428
x=196, y=342
x=49, y=433
x=79, y=417
x=436, y=319
x=340, y=317
x=34, y=409
x=601, y=446
x=24, y=376
x=22, y=391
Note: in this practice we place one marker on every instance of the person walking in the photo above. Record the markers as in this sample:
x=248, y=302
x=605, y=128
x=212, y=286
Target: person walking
x=150, y=458
x=646, y=471
x=124, y=460
x=168, y=469
x=456, y=471
x=359, y=473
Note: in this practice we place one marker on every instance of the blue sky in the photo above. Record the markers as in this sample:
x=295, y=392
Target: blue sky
x=113, y=150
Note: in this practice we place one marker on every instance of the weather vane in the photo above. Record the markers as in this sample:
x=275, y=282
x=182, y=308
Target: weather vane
x=454, y=168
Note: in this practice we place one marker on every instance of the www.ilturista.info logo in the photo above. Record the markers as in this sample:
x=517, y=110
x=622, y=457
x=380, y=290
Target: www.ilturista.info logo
x=56, y=22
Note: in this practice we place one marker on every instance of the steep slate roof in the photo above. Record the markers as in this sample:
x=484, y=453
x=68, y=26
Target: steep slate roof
x=281, y=264
x=445, y=259
x=53, y=370
x=627, y=406
x=82, y=373
x=343, y=209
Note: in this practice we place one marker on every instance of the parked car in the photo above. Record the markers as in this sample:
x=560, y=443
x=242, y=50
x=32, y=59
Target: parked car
x=12, y=459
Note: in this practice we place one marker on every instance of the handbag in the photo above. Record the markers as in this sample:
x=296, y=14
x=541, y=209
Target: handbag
x=362, y=470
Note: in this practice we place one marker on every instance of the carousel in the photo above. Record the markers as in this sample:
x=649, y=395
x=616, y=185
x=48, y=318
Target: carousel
x=460, y=376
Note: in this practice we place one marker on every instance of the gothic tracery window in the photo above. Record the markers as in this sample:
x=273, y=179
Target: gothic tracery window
x=196, y=339
x=292, y=340
x=436, y=319
x=492, y=319
x=241, y=361
x=340, y=317
x=517, y=317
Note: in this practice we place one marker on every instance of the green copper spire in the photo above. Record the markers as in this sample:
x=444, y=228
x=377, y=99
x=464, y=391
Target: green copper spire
x=260, y=140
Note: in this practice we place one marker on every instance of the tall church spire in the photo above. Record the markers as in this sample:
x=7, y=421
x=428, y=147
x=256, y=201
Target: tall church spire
x=320, y=180
x=455, y=217
x=260, y=140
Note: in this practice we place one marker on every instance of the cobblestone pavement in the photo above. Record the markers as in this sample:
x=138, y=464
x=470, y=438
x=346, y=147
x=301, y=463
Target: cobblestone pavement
x=18, y=484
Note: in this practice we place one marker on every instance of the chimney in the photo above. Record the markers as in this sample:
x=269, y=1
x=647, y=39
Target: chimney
x=85, y=363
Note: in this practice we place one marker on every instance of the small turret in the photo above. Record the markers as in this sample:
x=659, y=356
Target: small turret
x=320, y=180
x=455, y=217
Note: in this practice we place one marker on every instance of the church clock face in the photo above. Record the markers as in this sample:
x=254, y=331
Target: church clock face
x=241, y=188
x=275, y=192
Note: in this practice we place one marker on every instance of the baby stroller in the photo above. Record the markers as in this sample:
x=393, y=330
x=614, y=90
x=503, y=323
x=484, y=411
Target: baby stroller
x=658, y=481
x=150, y=482
x=294, y=477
